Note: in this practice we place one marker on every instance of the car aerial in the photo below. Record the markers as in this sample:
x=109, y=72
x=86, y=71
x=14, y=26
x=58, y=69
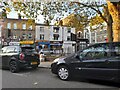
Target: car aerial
x=98, y=61
x=17, y=57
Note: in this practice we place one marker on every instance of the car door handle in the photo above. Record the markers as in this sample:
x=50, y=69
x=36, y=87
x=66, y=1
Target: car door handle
x=88, y=65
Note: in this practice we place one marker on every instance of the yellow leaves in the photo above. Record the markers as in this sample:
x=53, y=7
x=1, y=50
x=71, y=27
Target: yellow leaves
x=72, y=21
x=8, y=9
x=113, y=9
x=96, y=20
x=115, y=13
x=30, y=22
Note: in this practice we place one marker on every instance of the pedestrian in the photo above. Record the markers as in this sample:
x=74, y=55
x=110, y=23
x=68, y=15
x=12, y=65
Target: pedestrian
x=41, y=57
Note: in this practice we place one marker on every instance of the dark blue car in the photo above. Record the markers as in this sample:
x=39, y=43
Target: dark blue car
x=98, y=61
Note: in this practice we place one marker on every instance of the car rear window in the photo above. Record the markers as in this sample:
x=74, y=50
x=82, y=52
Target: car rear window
x=28, y=49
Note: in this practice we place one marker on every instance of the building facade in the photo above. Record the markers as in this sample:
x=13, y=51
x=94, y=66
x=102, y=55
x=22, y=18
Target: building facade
x=17, y=30
x=55, y=38
x=42, y=36
x=97, y=35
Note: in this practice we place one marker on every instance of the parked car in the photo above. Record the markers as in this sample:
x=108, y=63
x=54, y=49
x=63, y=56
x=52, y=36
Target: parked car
x=16, y=57
x=98, y=61
x=46, y=51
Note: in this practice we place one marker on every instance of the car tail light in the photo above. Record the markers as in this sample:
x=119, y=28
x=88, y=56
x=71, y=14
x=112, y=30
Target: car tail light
x=22, y=56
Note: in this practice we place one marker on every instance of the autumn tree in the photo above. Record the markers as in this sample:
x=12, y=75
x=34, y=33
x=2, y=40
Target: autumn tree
x=114, y=9
x=73, y=21
x=57, y=10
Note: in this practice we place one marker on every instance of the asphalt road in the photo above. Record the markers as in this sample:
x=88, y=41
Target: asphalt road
x=43, y=78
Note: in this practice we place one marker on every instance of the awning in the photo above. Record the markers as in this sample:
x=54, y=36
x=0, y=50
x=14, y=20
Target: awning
x=43, y=42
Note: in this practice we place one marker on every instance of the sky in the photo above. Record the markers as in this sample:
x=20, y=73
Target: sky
x=13, y=14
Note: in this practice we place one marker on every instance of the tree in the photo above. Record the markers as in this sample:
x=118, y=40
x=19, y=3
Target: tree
x=73, y=21
x=56, y=10
x=114, y=9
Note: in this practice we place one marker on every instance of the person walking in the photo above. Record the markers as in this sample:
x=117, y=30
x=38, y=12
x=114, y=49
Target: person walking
x=41, y=57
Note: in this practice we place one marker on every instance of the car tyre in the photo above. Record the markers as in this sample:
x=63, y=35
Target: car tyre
x=14, y=68
x=64, y=73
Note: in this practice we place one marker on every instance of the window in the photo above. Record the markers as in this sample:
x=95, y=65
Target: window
x=68, y=38
x=41, y=36
x=116, y=49
x=24, y=36
x=10, y=50
x=30, y=28
x=55, y=36
x=29, y=35
x=8, y=25
x=56, y=29
x=96, y=52
x=23, y=26
x=69, y=30
x=41, y=29
x=15, y=26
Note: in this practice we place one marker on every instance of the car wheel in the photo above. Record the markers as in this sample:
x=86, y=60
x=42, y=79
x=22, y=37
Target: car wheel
x=14, y=67
x=63, y=73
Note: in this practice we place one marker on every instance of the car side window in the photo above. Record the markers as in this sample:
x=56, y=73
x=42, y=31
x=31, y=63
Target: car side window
x=4, y=49
x=10, y=50
x=99, y=52
x=85, y=54
x=96, y=52
x=116, y=50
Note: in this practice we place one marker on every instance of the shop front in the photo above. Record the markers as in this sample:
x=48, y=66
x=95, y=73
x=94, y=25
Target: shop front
x=56, y=46
x=27, y=43
x=42, y=44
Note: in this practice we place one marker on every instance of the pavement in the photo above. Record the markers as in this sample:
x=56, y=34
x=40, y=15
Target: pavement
x=45, y=65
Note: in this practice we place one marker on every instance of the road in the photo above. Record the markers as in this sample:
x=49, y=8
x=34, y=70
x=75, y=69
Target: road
x=43, y=78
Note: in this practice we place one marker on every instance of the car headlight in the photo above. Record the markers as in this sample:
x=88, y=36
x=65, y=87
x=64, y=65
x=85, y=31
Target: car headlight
x=56, y=60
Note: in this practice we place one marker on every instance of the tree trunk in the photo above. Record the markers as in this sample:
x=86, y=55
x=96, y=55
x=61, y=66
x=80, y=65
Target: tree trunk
x=115, y=13
x=109, y=29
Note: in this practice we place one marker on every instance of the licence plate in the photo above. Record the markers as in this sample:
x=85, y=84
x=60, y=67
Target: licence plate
x=32, y=63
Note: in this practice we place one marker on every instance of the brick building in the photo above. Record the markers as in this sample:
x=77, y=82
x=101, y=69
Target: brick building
x=17, y=30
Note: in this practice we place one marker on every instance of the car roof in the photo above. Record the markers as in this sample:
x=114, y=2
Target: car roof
x=11, y=46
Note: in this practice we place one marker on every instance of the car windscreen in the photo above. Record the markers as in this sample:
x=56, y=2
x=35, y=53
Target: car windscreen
x=28, y=49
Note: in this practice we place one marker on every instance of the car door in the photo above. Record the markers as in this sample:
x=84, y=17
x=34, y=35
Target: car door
x=77, y=64
x=3, y=56
x=115, y=61
x=95, y=62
